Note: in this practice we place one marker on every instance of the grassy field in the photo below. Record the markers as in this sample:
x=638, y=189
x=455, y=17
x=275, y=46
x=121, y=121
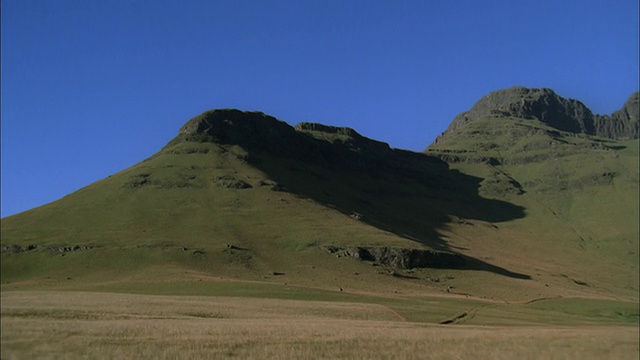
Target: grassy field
x=50, y=325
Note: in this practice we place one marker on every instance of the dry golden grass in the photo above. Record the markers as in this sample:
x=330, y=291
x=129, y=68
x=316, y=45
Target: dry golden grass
x=52, y=325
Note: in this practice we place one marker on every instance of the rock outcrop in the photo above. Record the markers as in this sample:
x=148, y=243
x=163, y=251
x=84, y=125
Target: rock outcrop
x=307, y=126
x=61, y=250
x=401, y=258
x=345, y=135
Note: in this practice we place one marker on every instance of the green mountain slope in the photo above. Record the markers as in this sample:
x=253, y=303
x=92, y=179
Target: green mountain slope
x=579, y=192
x=507, y=209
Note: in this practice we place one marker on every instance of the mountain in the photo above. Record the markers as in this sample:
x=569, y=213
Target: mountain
x=550, y=156
x=519, y=199
x=547, y=107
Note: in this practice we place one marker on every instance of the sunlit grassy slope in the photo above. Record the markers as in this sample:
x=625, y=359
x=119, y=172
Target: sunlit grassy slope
x=536, y=212
x=580, y=196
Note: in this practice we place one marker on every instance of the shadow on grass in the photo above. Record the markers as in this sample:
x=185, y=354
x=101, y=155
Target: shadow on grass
x=402, y=192
x=477, y=264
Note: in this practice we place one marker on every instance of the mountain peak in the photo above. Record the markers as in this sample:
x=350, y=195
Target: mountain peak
x=542, y=104
x=546, y=106
x=255, y=130
x=232, y=125
x=252, y=129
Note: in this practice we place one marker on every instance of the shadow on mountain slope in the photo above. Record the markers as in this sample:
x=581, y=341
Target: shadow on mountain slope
x=402, y=192
x=477, y=264
x=410, y=195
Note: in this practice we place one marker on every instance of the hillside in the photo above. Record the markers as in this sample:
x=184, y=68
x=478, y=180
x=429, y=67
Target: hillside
x=504, y=206
x=579, y=190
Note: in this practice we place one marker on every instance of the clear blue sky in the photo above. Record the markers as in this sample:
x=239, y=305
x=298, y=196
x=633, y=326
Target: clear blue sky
x=90, y=87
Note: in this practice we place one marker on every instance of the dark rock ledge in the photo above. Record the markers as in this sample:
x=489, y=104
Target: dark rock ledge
x=400, y=258
x=16, y=249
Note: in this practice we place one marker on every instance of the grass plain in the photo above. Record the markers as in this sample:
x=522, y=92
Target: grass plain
x=51, y=325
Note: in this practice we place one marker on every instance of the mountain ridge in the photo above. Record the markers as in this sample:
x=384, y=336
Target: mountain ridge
x=244, y=195
x=546, y=106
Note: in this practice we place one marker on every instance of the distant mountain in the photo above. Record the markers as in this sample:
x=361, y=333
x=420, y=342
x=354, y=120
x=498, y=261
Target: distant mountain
x=521, y=197
x=553, y=110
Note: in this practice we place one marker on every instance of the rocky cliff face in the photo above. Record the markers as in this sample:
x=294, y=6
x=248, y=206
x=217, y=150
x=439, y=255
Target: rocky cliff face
x=622, y=124
x=546, y=106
